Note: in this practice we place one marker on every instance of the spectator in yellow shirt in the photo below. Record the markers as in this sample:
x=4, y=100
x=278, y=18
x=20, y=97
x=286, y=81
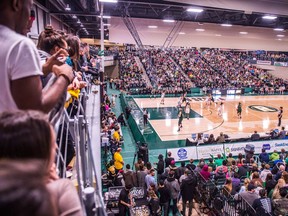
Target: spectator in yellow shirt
x=118, y=160
x=116, y=134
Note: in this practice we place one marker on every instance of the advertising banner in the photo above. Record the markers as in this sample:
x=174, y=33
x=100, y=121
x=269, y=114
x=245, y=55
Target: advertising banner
x=282, y=64
x=268, y=145
x=184, y=154
x=205, y=151
x=263, y=62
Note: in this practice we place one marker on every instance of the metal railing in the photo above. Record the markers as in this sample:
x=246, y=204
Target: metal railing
x=73, y=129
x=217, y=201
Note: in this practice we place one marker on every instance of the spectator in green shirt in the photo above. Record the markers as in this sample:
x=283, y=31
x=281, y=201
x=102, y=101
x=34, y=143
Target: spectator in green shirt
x=274, y=156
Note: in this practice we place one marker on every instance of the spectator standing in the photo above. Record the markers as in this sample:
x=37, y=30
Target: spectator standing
x=141, y=176
x=262, y=205
x=150, y=179
x=129, y=176
x=124, y=202
x=219, y=160
x=250, y=196
x=180, y=170
x=164, y=197
x=168, y=159
x=191, y=166
x=27, y=71
x=138, y=163
x=188, y=189
x=121, y=120
x=154, y=203
x=184, y=176
x=118, y=160
x=128, y=112
x=264, y=156
x=174, y=188
x=243, y=170
x=160, y=165
x=205, y=173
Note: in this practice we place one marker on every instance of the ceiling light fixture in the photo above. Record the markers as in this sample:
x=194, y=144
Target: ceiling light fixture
x=278, y=29
x=169, y=20
x=218, y=35
x=280, y=35
x=226, y=25
x=81, y=25
x=182, y=33
x=200, y=30
x=68, y=7
x=78, y=21
x=153, y=27
x=243, y=33
x=74, y=16
x=105, y=17
x=279, y=39
x=269, y=17
x=109, y=1
x=195, y=10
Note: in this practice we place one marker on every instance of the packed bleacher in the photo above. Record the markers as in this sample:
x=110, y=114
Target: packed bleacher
x=212, y=68
x=57, y=84
x=130, y=73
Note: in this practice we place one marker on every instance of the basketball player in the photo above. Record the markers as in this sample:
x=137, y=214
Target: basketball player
x=187, y=110
x=239, y=110
x=280, y=114
x=162, y=97
x=180, y=116
x=220, y=109
x=145, y=117
x=180, y=101
x=208, y=102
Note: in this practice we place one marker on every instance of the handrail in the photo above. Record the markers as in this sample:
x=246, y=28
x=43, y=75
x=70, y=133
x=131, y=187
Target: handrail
x=76, y=127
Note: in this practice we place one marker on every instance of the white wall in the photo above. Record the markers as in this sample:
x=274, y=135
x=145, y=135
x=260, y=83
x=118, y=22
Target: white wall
x=256, y=39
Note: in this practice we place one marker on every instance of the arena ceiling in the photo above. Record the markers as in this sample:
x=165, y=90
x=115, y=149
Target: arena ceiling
x=245, y=13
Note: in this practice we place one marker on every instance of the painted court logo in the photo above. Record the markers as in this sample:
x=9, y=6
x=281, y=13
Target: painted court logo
x=262, y=108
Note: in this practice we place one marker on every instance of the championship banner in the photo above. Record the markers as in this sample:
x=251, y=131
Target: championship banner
x=183, y=154
x=206, y=150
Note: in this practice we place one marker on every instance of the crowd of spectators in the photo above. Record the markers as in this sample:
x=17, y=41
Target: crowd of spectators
x=209, y=68
x=238, y=176
x=163, y=73
x=130, y=73
x=268, y=56
x=200, y=73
